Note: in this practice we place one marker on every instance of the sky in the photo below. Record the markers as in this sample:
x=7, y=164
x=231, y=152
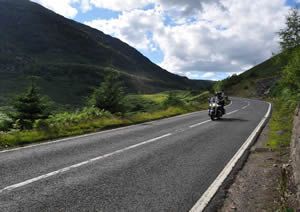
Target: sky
x=199, y=39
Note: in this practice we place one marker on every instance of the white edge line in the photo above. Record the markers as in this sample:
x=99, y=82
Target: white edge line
x=213, y=188
x=18, y=185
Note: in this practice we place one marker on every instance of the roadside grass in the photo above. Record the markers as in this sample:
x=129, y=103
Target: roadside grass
x=88, y=120
x=279, y=138
x=20, y=138
x=281, y=123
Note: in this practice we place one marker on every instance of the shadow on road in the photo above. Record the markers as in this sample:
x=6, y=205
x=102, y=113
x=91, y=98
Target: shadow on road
x=233, y=120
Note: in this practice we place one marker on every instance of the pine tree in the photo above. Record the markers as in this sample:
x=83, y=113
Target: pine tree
x=290, y=36
x=29, y=107
x=110, y=94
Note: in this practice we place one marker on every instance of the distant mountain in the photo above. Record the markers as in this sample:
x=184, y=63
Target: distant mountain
x=69, y=59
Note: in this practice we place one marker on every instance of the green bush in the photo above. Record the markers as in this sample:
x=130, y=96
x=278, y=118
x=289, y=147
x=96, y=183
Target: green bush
x=287, y=96
x=42, y=124
x=291, y=73
x=5, y=122
x=91, y=119
x=137, y=103
x=73, y=118
x=173, y=100
x=29, y=107
x=109, y=96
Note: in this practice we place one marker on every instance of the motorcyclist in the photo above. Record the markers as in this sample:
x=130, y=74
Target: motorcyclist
x=220, y=95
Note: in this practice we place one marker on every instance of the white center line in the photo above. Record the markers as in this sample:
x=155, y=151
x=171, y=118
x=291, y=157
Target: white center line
x=18, y=185
x=198, y=124
x=232, y=112
x=246, y=105
x=195, y=125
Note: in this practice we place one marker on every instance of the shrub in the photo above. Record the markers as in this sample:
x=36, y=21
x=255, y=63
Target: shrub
x=291, y=73
x=173, y=100
x=29, y=107
x=5, y=122
x=74, y=118
x=109, y=95
x=137, y=103
x=41, y=125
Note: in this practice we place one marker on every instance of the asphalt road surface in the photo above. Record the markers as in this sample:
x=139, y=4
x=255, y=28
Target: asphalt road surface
x=164, y=165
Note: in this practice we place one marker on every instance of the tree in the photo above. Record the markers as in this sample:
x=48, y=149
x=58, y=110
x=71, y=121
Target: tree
x=29, y=107
x=110, y=94
x=291, y=73
x=290, y=35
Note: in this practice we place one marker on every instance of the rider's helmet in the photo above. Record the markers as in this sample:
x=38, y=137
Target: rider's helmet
x=219, y=94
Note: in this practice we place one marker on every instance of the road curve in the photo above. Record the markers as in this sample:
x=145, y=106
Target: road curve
x=163, y=165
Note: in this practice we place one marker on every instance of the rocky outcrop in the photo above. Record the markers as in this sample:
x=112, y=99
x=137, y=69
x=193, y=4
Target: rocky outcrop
x=263, y=86
x=295, y=152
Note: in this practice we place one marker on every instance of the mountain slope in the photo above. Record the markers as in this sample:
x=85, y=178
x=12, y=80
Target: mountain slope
x=258, y=81
x=68, y=59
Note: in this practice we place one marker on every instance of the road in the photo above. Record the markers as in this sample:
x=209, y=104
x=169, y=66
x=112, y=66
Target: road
x=164, y=165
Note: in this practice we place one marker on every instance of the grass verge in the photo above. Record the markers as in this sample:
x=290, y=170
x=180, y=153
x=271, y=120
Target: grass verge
x=20, y=138
x=281, y=123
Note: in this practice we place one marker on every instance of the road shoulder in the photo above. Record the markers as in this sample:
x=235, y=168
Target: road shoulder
x=257, y=186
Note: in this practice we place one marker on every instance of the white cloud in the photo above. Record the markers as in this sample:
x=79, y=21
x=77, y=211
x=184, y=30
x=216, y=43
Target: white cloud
x=66, y=8
x=134, y=27
x=208, y=75
x=230, y=37
x=197, y=38
x=85, y=5
x=120, y=5
x=62, y=7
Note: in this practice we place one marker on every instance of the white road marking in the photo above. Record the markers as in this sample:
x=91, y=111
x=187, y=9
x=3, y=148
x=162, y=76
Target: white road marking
x=232, y=112
x=18, y=185
x=246, y=106
x=64, y=139
x=96, y=133
x=198, y=124
x=213, y=188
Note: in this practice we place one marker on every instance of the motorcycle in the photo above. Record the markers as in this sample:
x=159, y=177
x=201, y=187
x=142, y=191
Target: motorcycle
x=215, y=109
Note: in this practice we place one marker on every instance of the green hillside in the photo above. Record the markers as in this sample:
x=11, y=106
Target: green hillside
x=69, y=59
x=258, y=81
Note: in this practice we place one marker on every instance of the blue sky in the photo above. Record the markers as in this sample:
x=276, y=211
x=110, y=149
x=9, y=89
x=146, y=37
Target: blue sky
x=95, y=13
x=200, y=39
